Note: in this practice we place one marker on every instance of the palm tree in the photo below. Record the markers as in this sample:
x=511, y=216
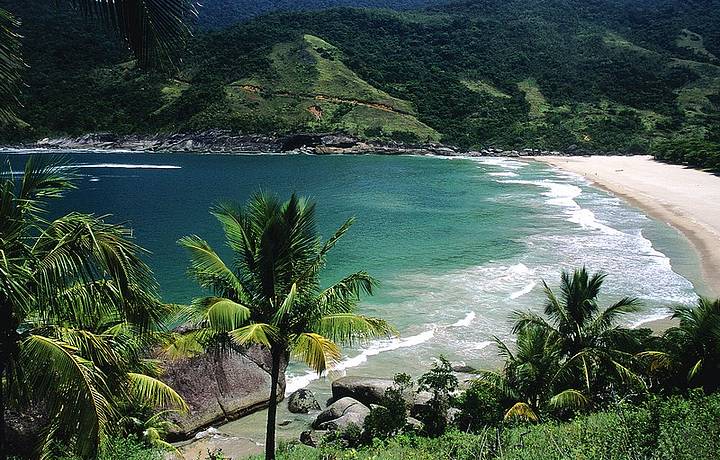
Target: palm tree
x=690, y=352
x=152, y=29
x=531, y=379
x=78, y=310
x=587, y=336
x=270, y=295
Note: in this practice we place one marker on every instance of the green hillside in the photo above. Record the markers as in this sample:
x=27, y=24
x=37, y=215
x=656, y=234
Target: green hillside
x=606, y=75
x=306, y=87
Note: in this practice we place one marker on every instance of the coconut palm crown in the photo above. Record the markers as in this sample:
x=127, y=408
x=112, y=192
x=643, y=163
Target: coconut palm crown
x=270, y=294
x=588, y=336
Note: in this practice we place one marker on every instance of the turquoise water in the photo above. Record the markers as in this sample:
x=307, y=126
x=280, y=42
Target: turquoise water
x=457, y=244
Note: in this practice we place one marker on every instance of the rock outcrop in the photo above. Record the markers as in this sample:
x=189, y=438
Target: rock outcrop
x=222, y=141
x=220, y=388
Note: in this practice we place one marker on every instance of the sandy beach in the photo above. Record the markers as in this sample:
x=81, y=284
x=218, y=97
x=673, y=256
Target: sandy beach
x=686, y=199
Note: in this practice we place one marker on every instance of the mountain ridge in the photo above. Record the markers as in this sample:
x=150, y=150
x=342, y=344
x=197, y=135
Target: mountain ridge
x=609, y=75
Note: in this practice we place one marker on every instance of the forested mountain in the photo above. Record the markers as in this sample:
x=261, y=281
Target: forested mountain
x=217, y=14
x=630, y=75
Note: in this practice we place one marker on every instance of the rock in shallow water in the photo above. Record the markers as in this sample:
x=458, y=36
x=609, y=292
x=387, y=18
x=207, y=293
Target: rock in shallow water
x=302, y=401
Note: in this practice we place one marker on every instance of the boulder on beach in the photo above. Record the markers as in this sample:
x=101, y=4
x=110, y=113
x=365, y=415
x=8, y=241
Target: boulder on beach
x=302, y=401
x=341, y=414
x=367, y=390
x=220, y=387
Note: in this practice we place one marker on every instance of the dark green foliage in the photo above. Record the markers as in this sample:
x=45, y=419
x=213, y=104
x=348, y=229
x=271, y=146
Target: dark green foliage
x=390, y=417
x=692, y=149
x=125, y=449
x=223, y=13
x=440, y=382
x=688, y=355
x=608, y=75
x=481, y=406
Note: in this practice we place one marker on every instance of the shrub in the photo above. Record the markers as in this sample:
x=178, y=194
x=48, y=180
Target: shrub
x=440, y=381
x=390, y=417
x=480, y=405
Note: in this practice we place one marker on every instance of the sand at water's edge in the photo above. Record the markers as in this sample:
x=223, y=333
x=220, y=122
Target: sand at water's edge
x=687, y=199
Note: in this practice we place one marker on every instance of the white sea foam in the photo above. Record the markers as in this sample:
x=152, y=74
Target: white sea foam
x=124, y=166
x=482, y=345
x=501, y=162
x=503, y=174
x=465, y=322
x=586, y=219
x=652, y=316
x=526, y=290
x=381, y=346
x=94, y=179
x=564, y=195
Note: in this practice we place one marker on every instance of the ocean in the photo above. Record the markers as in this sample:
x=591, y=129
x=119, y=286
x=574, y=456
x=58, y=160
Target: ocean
x=457, y=244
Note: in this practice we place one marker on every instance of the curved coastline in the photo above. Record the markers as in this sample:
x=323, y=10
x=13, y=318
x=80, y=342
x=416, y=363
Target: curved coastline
x=685, y=199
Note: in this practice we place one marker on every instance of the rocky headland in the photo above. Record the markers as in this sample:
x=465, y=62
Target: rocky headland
x=218, y=141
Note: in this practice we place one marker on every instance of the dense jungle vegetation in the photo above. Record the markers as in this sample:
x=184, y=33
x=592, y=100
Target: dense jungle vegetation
x=599, y=76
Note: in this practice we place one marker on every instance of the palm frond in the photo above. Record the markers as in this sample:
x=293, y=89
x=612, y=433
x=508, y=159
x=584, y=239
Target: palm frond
x=695, y=370
x=569, y=399
x=349, y=327
x=224, y=315
x=11, y=66
x=209, y=270
x=286, y=306
x=149, y=390
x=71, y=387
x=342, y=296
x=521, y=411
x=657, y=360
x=256, y=333
x=185, y=345
x=316, y=351
x=527, y=319
x=497, y=381
x=153, y=29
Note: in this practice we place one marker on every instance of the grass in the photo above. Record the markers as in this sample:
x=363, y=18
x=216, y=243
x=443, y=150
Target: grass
x=538, y=104
x=695, y=43
x=614, y=40
x=335, y=79
x=693, y=97
x=480, y=86
x=308, y=78
x=675, y=428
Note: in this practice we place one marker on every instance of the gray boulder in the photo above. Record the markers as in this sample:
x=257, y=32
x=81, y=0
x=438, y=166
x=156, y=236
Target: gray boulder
x=220, y=388
x=453, y=414
x=307, y=437
x=302, y=401
x=341, y=414
x=367, y=390
x=415, y=424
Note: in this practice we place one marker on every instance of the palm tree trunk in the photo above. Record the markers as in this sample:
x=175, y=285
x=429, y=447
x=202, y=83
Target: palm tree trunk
x=272, y=408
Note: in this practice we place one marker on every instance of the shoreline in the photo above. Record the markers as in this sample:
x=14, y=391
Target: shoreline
x=677, y=196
